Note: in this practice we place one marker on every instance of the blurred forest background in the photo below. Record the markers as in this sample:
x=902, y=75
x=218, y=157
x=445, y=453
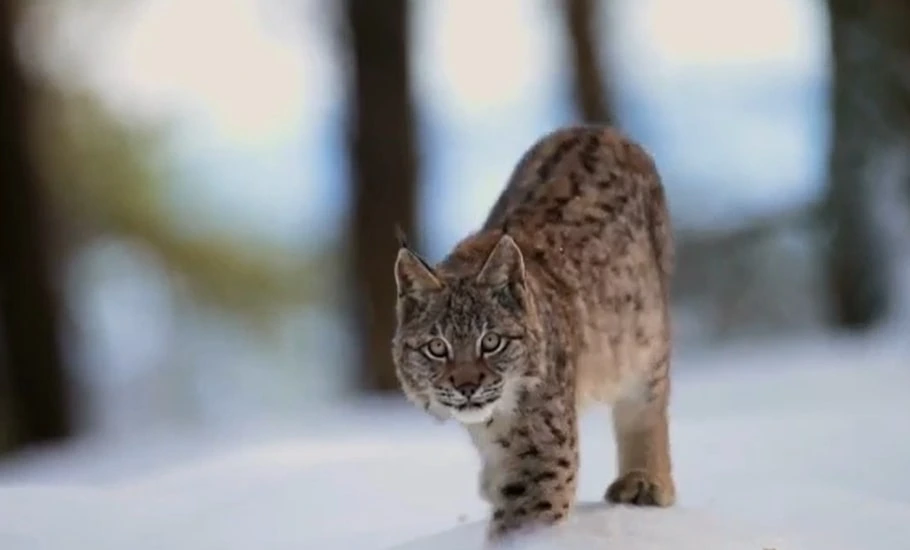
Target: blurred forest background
x=198, y=197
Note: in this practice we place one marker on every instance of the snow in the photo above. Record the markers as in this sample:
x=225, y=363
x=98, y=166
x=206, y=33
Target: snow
x=785, y=447
x=595, y=526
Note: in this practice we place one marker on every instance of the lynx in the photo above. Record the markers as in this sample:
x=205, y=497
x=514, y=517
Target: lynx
x=561, y=299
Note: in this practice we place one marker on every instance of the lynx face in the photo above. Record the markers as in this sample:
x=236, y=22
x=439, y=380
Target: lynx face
x=464, y=345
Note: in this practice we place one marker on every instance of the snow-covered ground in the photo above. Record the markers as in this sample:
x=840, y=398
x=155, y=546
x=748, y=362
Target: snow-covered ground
x=783, y=447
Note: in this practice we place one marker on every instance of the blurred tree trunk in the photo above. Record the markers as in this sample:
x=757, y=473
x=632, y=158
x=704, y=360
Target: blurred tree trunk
x=35, y=380
x=384, y=168
x=582, y=29
x=870, y=50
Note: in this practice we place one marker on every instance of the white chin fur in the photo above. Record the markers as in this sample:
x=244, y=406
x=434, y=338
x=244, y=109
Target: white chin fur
x=473, y=416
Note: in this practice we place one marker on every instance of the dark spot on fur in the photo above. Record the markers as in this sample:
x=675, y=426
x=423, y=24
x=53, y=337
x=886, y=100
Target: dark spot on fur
x=559, y=435
x=553, y=215
x=588, y=162
x=504, y=443
x=544, y=476
x=575, y=182
x=609, y=209
x=499, y=514
x=588, y=154
x=560, y=359
x=530, y=452
x=543, y=506
x=653, y=385
x=513, y=490
x=563, y=463
x=549, y=164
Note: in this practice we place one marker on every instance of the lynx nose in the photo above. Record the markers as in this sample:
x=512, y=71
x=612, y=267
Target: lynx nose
x=465, y=388
x=467, y=379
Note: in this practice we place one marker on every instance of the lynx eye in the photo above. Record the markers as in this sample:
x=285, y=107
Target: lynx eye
x=491, y=343
x=436, y=349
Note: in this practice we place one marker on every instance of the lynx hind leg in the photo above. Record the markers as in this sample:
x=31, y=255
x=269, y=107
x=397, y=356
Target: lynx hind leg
x=641, y=431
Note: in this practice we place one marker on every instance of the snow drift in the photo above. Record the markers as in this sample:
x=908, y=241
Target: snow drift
x=803, y=448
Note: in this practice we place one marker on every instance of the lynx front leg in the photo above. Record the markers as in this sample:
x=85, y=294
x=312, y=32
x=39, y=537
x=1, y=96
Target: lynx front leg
x=641, y=430
x=537, y=487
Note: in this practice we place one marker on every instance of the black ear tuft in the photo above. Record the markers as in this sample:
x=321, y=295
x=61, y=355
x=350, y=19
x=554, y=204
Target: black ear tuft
x=401, y=236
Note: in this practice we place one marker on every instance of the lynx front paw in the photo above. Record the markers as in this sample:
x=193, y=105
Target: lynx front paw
x=642, y=489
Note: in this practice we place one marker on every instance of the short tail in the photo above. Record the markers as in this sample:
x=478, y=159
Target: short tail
x=661, y=236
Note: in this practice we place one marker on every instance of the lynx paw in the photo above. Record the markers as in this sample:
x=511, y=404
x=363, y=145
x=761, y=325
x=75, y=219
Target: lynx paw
x=642, y=489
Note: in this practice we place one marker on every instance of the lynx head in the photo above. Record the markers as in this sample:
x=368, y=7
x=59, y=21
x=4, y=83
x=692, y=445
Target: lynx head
x=466, y=339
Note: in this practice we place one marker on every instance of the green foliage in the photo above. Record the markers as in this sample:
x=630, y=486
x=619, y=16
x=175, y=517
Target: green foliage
x=110, y=178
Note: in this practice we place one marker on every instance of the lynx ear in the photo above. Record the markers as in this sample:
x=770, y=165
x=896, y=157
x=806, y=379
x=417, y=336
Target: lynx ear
x=504, y=265
x=412, y=274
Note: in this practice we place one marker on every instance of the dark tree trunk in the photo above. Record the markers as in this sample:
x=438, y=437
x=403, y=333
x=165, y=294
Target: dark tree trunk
x=870, y=52
x=384, y=169
x=35, y=379
x=581, y=19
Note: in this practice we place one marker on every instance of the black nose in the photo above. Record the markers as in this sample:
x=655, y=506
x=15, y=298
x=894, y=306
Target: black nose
x=466, y=389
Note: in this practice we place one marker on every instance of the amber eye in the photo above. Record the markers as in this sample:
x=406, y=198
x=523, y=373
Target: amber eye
x=437, y=349
x=490, y=343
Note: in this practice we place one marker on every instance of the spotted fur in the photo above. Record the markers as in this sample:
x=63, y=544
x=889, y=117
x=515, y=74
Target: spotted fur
x=569, y=281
